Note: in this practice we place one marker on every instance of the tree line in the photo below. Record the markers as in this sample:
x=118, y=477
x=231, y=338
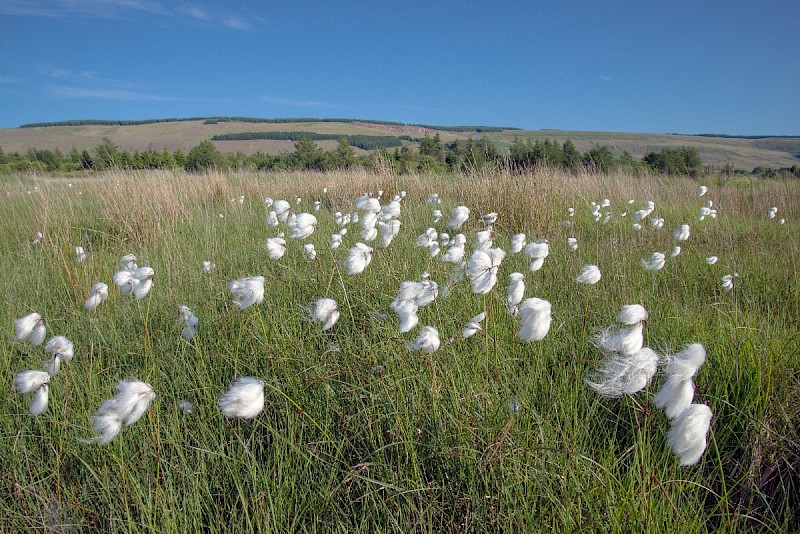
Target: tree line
x=431, y=156
x=216, y=120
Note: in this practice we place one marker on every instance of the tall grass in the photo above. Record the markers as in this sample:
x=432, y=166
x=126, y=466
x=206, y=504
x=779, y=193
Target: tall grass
x=358, y=433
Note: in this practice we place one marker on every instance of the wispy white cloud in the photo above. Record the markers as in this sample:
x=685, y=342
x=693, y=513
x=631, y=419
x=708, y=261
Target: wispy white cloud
x=64, y=91
x=88, y=77
x=294, y=103
x=195, y=12
x=122, y=10
x=236, y=23
x=5, y=79
x=605, y=77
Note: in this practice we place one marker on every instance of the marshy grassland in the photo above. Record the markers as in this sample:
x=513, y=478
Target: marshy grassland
x=360, y=434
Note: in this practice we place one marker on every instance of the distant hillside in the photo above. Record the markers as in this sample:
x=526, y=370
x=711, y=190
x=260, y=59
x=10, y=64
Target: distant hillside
x=272, y=136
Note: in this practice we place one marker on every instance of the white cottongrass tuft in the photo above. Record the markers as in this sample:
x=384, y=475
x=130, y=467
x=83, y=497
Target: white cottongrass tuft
x=655, y=263
x=282, y=209
x=126, y=408
x=676, y=251
x=628, y=339
x=702, y=191
x=208, y=266
x=189, y=320
x=727, y=281
x=678, y=390
x=590, y=274
x=388, y=231
x=133, y=280
x=38, y=382
x=482, y=269
x=276, y=247
x=473, y=326
x=517, y=243
x=80, y=254
x=326, y=311
x=458, y=216
x=31, y=328
x=303, y=225
x=537, y=252
x=572, y=244
x=687, y=437
x=97, y=294
x=711, y=260
x=358, y=258
x=516, y=292
x=427, y=341
x=310, y=251
x=406, y=310
x=244, y=399
x=682, y=232
x=60, y=349
x=247, y=291
x=624, y=374
x=534, y=319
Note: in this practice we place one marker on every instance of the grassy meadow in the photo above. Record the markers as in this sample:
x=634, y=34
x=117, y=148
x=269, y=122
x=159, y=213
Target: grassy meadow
x=359, y=434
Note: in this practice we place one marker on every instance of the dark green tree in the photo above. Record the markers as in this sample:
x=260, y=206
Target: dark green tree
x=106, y=155
x=203, y=157
x=598, y=158
x=342, y=157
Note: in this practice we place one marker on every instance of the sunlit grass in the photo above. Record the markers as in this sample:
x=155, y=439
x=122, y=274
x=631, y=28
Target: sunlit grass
x=360, y=434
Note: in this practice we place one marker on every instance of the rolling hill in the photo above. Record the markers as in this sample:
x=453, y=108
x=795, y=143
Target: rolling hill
x=744, y=153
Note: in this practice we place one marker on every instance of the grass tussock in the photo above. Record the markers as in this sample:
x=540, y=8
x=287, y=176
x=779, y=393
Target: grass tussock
x=357, y=432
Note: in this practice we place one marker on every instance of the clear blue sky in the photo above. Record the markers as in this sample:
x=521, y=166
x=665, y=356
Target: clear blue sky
x=688, y=66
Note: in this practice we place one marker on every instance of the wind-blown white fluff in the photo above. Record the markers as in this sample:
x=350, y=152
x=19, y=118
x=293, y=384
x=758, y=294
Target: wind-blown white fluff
x=427, y=340
x=326, y=312
x=30, y=327
x=473, y=326
x=534, y=319
x=590, y=274
x=624, y=374
x=516, y=292
x=126, y=408
x=247, y=291
x=677, y=392
x=97, y=294
x=244, y=399
x=687, y=437
x=359, y=257
x=482, y=269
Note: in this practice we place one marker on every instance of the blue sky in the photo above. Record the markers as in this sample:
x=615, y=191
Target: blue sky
x=693, y=66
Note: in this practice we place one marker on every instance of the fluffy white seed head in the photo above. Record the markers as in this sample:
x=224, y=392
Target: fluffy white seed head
x=247, y=291
x=572, y=244
x=590, y=274
x=458, y=216
x=359, y=257
x=688, y=434
x=427, y=341
x=482, y=269
x=61, y=347
x=27, y=381
x=473, y=326
x=276, y=247
x=244, y=399
x=517, y=243
x=624, y=374
x=534, y=319
x=31, y=328
x=682, y=232
x=326, y=311
x=656, y=262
